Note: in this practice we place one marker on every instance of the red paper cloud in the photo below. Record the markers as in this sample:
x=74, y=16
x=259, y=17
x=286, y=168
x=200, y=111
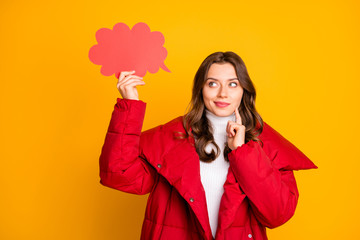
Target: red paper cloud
x=122, y=49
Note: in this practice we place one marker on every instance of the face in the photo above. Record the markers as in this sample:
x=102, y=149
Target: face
x=222, y=92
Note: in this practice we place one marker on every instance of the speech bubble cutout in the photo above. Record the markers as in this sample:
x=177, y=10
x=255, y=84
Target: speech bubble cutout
x=122, y=49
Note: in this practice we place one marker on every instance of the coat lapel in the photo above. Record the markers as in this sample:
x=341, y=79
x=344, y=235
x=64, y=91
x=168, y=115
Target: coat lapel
x=183, y=172
x=229, y=204
x=181, y=167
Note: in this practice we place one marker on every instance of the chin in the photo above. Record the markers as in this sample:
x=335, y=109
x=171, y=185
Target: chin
x=223, y=113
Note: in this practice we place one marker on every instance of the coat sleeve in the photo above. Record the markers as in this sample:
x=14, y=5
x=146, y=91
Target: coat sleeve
x=122, y=167
x=265, y=174
x=272, y=193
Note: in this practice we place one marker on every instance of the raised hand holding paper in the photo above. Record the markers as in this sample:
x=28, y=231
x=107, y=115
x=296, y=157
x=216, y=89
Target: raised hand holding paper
x=122, y=49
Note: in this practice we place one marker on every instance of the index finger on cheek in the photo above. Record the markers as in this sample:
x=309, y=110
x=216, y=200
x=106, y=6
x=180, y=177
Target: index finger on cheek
x=238, y=117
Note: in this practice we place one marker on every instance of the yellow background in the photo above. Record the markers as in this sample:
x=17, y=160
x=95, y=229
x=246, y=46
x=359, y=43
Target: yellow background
x=302, y=56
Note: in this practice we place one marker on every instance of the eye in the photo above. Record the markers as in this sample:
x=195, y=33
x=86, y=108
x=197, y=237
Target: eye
x=233, y=84
x=212, y=84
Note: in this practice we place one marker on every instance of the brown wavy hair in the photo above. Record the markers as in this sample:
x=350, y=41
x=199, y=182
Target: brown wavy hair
x=195, y=122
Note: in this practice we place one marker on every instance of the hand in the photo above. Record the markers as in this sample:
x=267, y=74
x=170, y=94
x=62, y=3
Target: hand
x=127, y=85
x=235, y=132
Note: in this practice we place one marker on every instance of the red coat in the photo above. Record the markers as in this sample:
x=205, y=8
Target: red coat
x=260, y=190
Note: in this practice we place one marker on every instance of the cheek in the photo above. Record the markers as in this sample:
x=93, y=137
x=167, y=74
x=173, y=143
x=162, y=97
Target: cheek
x=207, y=94
x=238, y=97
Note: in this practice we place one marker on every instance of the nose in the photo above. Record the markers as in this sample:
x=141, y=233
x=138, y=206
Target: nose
x=222, y=92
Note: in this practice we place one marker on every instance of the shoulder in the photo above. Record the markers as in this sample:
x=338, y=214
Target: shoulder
x=284, y=154
x=171, y=126
x=162, y=136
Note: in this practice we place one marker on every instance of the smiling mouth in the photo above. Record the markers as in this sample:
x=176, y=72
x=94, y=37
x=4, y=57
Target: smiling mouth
x=221, y=104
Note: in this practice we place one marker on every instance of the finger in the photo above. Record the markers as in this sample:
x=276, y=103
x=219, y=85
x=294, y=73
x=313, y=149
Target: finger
x=131, y=83
x=124, y=80
x=238, y=117
x=232, y=130
x=130, y=76
x=233, y=127
x=228, y=128
x=123, y=74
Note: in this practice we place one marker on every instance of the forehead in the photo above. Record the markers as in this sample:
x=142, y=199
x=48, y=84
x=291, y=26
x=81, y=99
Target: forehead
x=221, y=71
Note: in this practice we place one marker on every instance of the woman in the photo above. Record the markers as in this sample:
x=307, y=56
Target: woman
x=219, y=172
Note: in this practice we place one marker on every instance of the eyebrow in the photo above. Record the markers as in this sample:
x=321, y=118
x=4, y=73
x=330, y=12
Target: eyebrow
x=218, y=80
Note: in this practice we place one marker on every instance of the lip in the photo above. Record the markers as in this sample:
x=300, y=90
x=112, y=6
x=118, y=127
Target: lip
x=222, y=104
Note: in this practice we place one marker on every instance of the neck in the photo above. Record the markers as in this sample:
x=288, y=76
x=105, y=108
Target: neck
x=217, y=122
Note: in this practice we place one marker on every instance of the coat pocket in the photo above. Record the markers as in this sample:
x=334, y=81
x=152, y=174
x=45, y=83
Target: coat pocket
x=241, y=233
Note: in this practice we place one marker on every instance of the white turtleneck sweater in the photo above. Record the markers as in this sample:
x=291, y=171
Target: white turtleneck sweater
x=213, y=175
